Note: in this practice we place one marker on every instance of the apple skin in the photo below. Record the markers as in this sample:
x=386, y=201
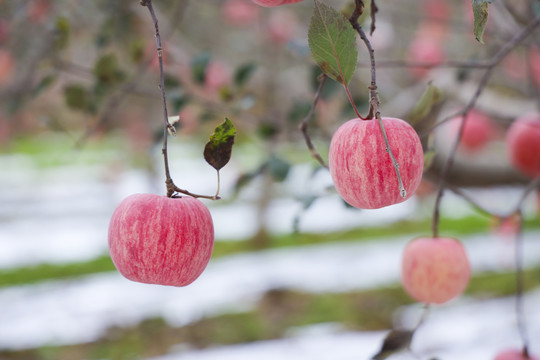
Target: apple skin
x=154, y=239
x=240, y=13
x=362, y=170
x=534, y=60
x=478, y=130
x=272, y=3
x=7, y=65
x=425, y=50
x=514, y=354
x=523, y=144
x=435, y=270
x=282, y=25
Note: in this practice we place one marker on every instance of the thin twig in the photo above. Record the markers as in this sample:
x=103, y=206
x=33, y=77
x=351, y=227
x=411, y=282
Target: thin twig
x=304, y=123
x=171, y=187
x=496, y=59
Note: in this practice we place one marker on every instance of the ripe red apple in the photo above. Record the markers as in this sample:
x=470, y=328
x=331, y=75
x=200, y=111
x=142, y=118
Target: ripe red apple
x=437, y=9
x=159, y=240
x=281, y=26
x=534, y=61
x=272, y=3
x=477, y=132
x=435, y=270
x=523, y=144
x=240, y=12
x=424, y=50
x=514, y=354
x=7, y=65
x=216, y=77
x=362, y=170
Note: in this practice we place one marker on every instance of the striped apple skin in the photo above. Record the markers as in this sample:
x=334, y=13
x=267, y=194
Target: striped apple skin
x=435, y=270
x=272, y=3
x=154, y=239
x=362, y=170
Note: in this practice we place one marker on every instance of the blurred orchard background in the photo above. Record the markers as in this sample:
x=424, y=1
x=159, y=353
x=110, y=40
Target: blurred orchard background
x=296, y=273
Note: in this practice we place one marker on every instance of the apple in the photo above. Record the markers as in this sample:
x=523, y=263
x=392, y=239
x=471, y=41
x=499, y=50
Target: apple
x=216, y=76
x=425, y=50
x=362, y=170
x=534, y=61
x=240, y=12
x=523, y=144
x=514, y=354
x=281, y=26
x=272, y=3
x=39, y=10
x=154, y=239
x=477, y=132
x=435, y=270
x=437, y=9
x=7, y=65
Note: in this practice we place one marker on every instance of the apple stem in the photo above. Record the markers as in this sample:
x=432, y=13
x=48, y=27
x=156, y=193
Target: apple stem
x=303, y=125
x=172, y=189
x=402, y=190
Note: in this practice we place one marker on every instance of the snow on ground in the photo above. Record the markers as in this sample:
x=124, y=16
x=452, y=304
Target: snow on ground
x=61, y=214
x=464, y=330
x=79, y=310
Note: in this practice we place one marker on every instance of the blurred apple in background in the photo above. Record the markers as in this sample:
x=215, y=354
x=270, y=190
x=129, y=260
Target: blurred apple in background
x=424, y=50
x=281, y=26
x=241, y=13
x=514, y=354
x=435, y=270
x=272, y=3
x=7, y=66
x=523, y=144
x=477, y=132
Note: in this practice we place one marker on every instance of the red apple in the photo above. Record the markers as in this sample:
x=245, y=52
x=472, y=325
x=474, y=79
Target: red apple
x=534, y=61
x=437, y=9
x=477, y=132
x=424, y=50
x=362, y=170
x=7, y=66
x=514, y=354
x=272, y=3
x=435, y=270
x=217, y=76
x=240, y=12
x=523, y=144
x=159, y=240
x=281, y=26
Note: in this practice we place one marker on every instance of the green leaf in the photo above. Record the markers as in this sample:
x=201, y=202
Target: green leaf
x=243, y=74
x=279, y=168
x=429, y=156
x=217, y=151
x=332, y=41
x=480, y=11
x=62, y=33
x=77, y=97
x=198, y=67
x=43, y=84
x=431, y=97
x=107, y=70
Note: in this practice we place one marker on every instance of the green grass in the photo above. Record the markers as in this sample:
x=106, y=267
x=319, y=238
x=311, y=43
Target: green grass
x=451, y=227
